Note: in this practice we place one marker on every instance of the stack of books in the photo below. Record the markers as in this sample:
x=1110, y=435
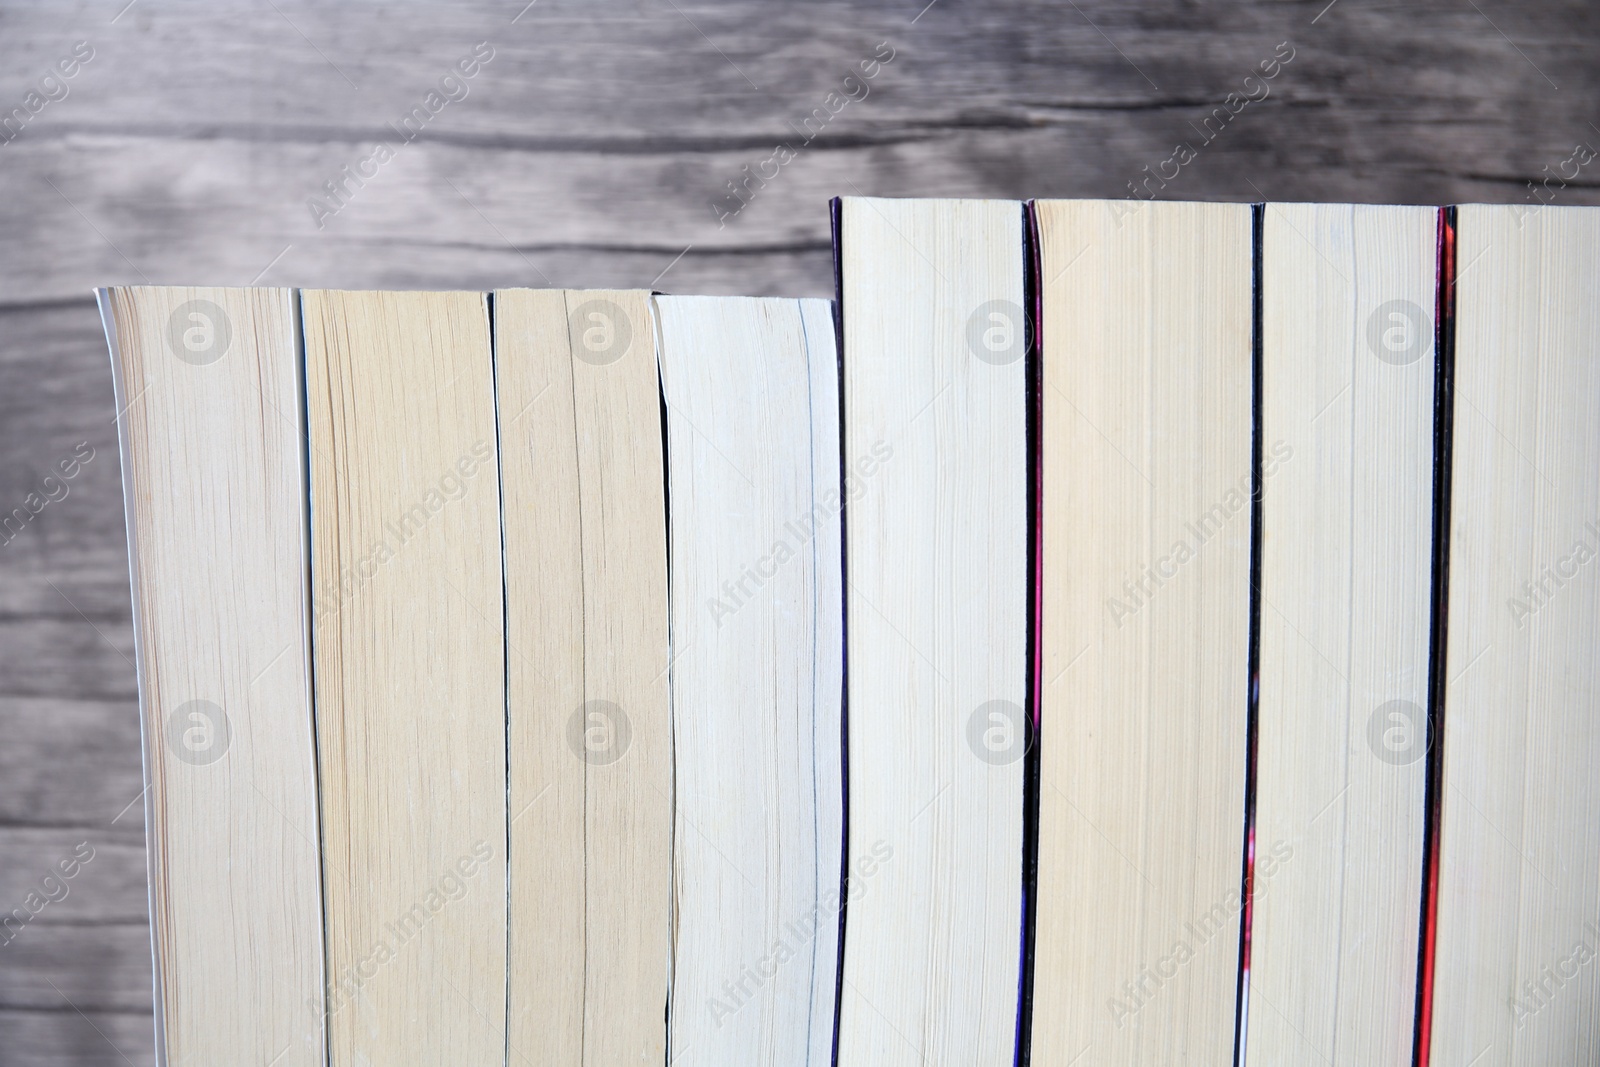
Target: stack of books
x=1108, y=632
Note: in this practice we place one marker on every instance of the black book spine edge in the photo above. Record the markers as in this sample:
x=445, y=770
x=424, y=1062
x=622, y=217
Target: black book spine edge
x=1258, y=213
x=1444, y=370
x=1033, y=301
x=835, y=212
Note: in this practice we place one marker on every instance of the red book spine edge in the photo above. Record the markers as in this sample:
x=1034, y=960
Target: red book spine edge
x=1445, y=357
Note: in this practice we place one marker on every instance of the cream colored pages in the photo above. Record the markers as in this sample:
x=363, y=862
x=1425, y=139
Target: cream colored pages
x=208, y=401
x=1146, y=438
x=410, y=674
x=1347, y=423
x=1515, y=975
x=753, y=446
x=589, y=736
x=936, y=600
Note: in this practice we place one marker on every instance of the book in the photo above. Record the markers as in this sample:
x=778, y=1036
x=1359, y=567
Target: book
x=936, y=597
x=1515, y=936
x=1145, y=510
x=208, y=400
x=408, y=637
x=1348, y=358
x=752, y=401
x=1113, y=632
x=590, y=793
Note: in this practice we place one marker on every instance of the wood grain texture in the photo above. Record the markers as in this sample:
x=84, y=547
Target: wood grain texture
x=61, y=1036
x=591, y=149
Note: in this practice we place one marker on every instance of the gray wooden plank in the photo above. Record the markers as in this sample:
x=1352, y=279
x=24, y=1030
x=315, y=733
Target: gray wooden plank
x=68, y=658
x=615, y=129
x=88, y=967
x=57, y=876
x=70, y=763
x=66, y=1037
x=61, y=528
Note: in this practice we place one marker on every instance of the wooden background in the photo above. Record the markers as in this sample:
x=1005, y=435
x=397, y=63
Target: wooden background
x=589, y=152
